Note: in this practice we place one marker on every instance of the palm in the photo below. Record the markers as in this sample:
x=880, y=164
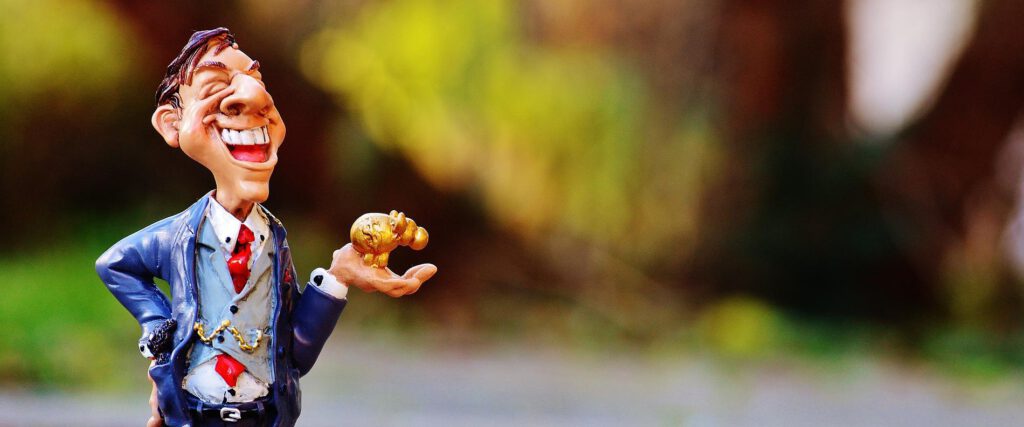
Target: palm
x=348, y=267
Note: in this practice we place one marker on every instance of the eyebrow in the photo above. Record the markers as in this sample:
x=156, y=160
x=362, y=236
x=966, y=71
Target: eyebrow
x=210, y=64
x=219, y=66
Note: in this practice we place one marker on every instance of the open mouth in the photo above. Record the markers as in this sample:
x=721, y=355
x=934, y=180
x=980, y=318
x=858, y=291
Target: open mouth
x=247, y=145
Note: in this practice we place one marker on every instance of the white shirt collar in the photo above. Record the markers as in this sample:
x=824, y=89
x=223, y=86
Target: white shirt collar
x=226, y=226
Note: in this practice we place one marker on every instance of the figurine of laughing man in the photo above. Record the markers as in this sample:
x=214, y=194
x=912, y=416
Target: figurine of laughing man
x=230, y=344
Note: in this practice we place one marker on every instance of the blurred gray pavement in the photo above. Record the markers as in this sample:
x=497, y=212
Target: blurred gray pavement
x=363, y=382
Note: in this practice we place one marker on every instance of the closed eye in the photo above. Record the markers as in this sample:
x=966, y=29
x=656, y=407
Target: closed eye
x=212, y=88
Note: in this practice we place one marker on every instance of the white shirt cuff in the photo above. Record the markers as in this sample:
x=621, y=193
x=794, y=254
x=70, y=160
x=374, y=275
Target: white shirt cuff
x=145, y=350
x=328, y=283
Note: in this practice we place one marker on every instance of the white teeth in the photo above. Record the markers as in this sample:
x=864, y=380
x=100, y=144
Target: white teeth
x=252, y=136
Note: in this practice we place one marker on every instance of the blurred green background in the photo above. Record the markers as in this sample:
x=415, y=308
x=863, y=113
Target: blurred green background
x=751, y=180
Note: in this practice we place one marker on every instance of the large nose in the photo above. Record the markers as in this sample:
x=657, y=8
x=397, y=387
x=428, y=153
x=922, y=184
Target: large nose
x=250, y=97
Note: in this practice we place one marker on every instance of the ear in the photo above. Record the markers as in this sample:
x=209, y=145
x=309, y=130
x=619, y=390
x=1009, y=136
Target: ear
x=165, y=121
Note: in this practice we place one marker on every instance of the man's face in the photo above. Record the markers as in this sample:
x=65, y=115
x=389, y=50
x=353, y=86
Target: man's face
x=229, y=124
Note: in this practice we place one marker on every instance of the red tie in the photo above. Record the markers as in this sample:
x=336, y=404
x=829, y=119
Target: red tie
x=238, y=266
x=229, y=369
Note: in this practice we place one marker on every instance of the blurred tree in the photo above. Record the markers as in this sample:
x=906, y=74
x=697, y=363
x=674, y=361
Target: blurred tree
x=62, y=65
x=796, y=217
x=942, y=174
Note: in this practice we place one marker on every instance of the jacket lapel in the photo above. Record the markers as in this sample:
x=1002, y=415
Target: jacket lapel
x=184, y=292
x=215, y=253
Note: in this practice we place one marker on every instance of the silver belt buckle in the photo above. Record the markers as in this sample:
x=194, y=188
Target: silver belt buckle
x=231, y=415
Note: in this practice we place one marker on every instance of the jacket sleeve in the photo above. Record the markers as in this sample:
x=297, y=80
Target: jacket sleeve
x=128, y=268
x=313, y=320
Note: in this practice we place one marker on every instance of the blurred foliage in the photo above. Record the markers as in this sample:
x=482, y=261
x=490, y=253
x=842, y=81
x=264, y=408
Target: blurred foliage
x=740, y=327
x=73, y=50
x=552, y=139
x=60, y=326
x=59, y=58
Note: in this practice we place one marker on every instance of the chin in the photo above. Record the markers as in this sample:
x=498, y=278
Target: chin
x=256, y=192
x=250, y=190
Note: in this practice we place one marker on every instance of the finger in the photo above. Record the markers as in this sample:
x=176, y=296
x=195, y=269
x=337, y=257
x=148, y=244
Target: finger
x=403, y=290
x=411, y=272
x=413, y=289
x=422, y=272
x=392, y=284
x=410, y=282
x=394, y=287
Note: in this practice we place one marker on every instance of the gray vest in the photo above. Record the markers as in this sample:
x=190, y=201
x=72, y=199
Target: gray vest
x=254, y=306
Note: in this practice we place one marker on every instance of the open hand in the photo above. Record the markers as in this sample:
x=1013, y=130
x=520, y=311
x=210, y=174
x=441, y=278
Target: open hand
x=348, y=267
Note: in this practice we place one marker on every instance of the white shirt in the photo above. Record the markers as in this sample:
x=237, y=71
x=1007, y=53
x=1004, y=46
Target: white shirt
x=204, y=382
x=226, y=226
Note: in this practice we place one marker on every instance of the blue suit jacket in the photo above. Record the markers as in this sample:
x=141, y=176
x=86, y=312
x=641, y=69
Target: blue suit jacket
x=167, y=249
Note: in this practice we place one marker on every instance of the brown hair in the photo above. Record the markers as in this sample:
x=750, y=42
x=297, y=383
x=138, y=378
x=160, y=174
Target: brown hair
x=180, y=69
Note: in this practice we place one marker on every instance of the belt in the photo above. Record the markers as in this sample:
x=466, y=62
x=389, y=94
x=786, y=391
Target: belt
x=231, y=412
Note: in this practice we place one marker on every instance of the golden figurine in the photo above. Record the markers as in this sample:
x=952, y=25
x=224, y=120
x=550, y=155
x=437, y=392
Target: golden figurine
x=375, y=235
